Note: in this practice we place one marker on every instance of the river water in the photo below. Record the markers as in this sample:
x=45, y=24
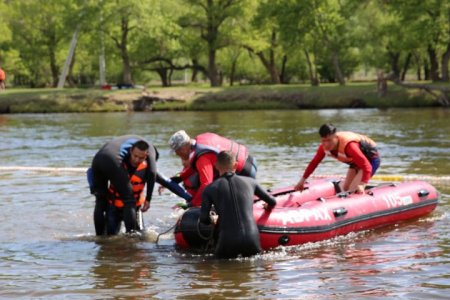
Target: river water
x=48, y=250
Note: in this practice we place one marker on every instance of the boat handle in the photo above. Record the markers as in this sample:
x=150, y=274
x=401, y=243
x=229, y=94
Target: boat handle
x=423, y=193
x=339, y=212
x=343, y=195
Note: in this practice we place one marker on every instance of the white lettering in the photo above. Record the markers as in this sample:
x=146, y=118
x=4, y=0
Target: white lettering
x=304, y=215
x=395, y=200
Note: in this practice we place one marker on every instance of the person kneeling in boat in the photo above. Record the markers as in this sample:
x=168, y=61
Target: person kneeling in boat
x=202, y=154
x=119, y=172
x=357, y=150
x=232, y=196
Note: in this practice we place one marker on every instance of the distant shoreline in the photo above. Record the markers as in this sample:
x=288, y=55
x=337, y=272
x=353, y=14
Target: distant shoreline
x=198, y=98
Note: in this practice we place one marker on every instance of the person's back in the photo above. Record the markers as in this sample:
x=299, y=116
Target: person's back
x=238, y=231
x=232, y=196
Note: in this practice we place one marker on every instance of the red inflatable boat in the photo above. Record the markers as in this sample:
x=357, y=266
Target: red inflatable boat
x=318, y=213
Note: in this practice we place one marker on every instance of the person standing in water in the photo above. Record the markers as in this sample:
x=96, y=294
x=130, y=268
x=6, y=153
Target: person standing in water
x=357, y=150
x=120, y=170
x=232, y=196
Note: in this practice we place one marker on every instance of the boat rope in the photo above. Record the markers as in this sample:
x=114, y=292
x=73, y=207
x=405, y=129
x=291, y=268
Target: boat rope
x=394, y=177
x=42, y=169
x=165, y=232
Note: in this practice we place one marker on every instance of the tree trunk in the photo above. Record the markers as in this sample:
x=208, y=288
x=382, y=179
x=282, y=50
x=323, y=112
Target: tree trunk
x=337, y=68
x=312, y=74
x=426, y=71
x=395, y=57
x=233, y=71
x=283, y=75
x=406, y=66
x=418, y=63
x=381, y=84
x=170, y=77
x=162, y=72
x=127, y=79
x=70, y=79
x=434, y=65
x=213, y=74
x=194, y=70
x=444, y=64
x=270, y=67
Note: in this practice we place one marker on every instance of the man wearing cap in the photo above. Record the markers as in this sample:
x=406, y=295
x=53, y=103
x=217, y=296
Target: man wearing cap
x=202, y=152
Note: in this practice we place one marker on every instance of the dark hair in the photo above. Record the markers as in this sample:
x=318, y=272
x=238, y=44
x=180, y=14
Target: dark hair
x=327, y=129
x=226, y=158
x=141, y=145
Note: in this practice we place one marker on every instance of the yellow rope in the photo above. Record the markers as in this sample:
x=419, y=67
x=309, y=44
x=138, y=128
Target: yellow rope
x=42, y=169
x=431, y=179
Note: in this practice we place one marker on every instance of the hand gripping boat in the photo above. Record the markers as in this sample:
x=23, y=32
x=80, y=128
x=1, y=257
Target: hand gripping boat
x=318, y=213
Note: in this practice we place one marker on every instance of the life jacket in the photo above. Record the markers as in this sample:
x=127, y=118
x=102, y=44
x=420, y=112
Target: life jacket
x=367, y=145
x=2, y=75
x=137, y=180
x=210, y=142
x=192, y=183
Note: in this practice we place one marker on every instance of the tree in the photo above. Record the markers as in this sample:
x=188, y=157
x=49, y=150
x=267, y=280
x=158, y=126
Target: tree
x=38, y=31
x=119, y=21
x=429, y=20
x=209, y=18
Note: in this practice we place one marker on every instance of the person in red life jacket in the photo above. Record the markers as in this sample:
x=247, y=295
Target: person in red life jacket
x=232, y=196
x=356, y=150
x=119, y=172
x=202, y=155
x=2, y=79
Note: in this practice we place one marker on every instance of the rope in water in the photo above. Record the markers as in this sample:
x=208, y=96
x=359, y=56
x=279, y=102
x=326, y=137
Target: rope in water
x=164, y=232
x=42, y=169
x=430, y=179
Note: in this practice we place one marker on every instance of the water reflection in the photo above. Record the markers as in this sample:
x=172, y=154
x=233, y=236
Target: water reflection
x=47, y=248
x=122, y=265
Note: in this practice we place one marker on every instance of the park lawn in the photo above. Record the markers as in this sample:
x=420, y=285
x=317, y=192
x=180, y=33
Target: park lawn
x=202, y=97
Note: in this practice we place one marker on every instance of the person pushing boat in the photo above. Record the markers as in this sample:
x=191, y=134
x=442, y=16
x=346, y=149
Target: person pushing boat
x=357, y=150
x=232, y=196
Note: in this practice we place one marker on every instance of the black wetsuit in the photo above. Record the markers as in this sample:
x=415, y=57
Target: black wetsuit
x=108, y=165
x=232, y=196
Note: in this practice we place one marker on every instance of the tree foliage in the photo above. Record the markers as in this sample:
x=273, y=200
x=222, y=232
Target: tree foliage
x=245, y=41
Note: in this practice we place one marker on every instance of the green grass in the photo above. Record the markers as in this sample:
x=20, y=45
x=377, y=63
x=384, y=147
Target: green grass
x=202, y=97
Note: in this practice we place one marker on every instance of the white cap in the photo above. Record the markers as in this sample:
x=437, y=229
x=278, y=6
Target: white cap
x=178, y=139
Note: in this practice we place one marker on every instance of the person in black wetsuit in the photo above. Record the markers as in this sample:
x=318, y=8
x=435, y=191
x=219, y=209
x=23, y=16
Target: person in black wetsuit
x=232, y=197
x=120, y=170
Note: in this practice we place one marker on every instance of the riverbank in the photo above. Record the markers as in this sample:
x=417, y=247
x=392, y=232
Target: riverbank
x=356, y=95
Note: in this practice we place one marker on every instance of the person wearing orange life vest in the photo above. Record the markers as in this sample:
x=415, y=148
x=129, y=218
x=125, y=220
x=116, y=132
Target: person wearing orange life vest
x=202, y=154
x=2, y=79
x=357, y=150
x=119, y=172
